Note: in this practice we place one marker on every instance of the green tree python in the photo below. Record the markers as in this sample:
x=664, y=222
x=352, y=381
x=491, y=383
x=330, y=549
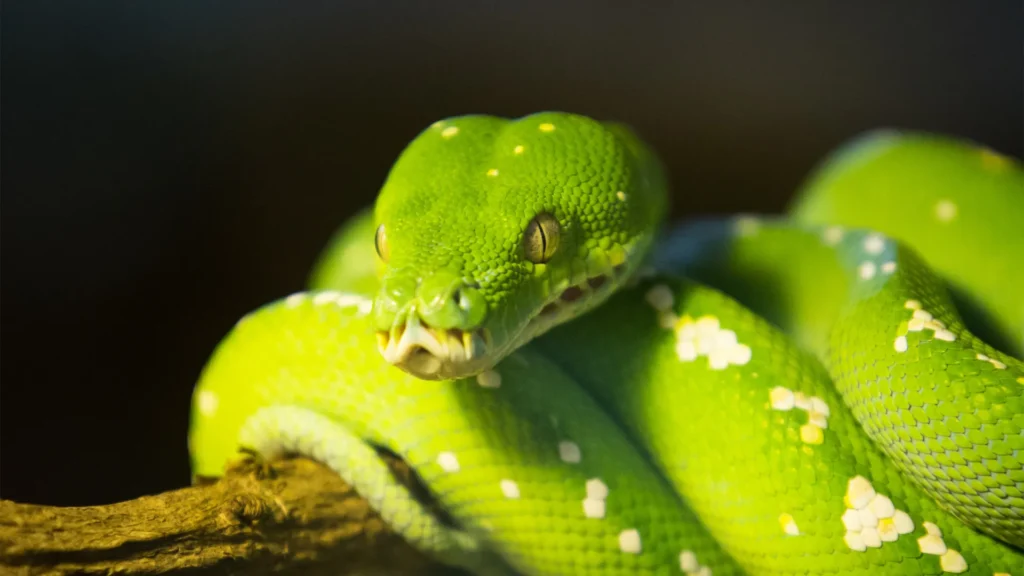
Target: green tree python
x=585, y=390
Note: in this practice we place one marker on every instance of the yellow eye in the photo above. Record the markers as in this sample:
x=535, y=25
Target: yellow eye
x=380, y=241
x=541, y=238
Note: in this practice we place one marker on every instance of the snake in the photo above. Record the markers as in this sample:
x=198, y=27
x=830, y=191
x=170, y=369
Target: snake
x=584, y=387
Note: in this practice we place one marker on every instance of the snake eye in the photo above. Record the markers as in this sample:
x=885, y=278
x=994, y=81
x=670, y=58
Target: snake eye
x=380, y=242
x=541, y=238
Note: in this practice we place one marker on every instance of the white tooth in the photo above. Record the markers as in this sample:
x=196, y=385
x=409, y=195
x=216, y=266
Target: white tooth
x=416, y=335
x=412, y=323
x=456, y=353
x=467, y=344
x=390, y=343
x=442, y=339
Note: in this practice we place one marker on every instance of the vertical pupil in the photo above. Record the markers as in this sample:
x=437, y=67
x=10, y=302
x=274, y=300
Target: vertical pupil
x=543, y=241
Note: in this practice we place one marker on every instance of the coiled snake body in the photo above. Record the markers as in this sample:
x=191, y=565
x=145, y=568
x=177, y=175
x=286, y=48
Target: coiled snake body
x=835, y=391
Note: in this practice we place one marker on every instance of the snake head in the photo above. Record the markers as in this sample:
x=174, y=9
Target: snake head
x=492, y=231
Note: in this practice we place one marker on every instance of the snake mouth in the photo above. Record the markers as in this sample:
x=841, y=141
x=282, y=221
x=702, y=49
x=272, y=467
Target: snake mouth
x=434, y=353
x=431, y=353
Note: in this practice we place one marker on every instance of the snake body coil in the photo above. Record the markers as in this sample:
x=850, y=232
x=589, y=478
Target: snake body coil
x=835, y=391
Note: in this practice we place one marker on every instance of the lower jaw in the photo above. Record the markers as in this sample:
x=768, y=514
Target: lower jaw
x=432, y=354
x=426, y=366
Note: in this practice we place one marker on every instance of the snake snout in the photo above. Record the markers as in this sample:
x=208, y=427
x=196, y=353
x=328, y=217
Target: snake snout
x=447, y=301
x=432, y=329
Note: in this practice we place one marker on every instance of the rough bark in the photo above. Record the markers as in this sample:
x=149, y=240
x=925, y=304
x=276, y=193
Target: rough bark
x=291, y=516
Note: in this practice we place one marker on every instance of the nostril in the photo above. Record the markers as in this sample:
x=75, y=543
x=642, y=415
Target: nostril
x=446, y=301
x=463, y=298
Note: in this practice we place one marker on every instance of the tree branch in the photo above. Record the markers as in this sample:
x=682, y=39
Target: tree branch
x=291, y=516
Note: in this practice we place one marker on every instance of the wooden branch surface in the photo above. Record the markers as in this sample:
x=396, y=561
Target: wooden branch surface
x=291, y=516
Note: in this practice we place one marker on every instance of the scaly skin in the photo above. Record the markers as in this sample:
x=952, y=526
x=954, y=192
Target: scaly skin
x=957, y=204
x=454, y=208
x=830, y=415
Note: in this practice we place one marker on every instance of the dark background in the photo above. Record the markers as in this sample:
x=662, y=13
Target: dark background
x=169, y=166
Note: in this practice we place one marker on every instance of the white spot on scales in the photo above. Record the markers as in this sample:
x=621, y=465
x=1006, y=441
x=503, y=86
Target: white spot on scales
x=569, y=452
x=688, y=562
x=342, y=299
x=832, y=235
x=594, y=503
x=784, y=399
x=996, y=363
x=953, y=561
x=871, y=518
x=207, y=402
x=874, y=243
x=596, y=489
x=629, y=541
x=690, y=566
x=900, y=344
x=789, y=524
x=920, y=320
x=593, y=508
x=867, y=270
x=811, y=434
x=706, y=337
x=509, y=488
x=489, y=379
x=660, y=297
x=448, y=462
x=945, y=211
